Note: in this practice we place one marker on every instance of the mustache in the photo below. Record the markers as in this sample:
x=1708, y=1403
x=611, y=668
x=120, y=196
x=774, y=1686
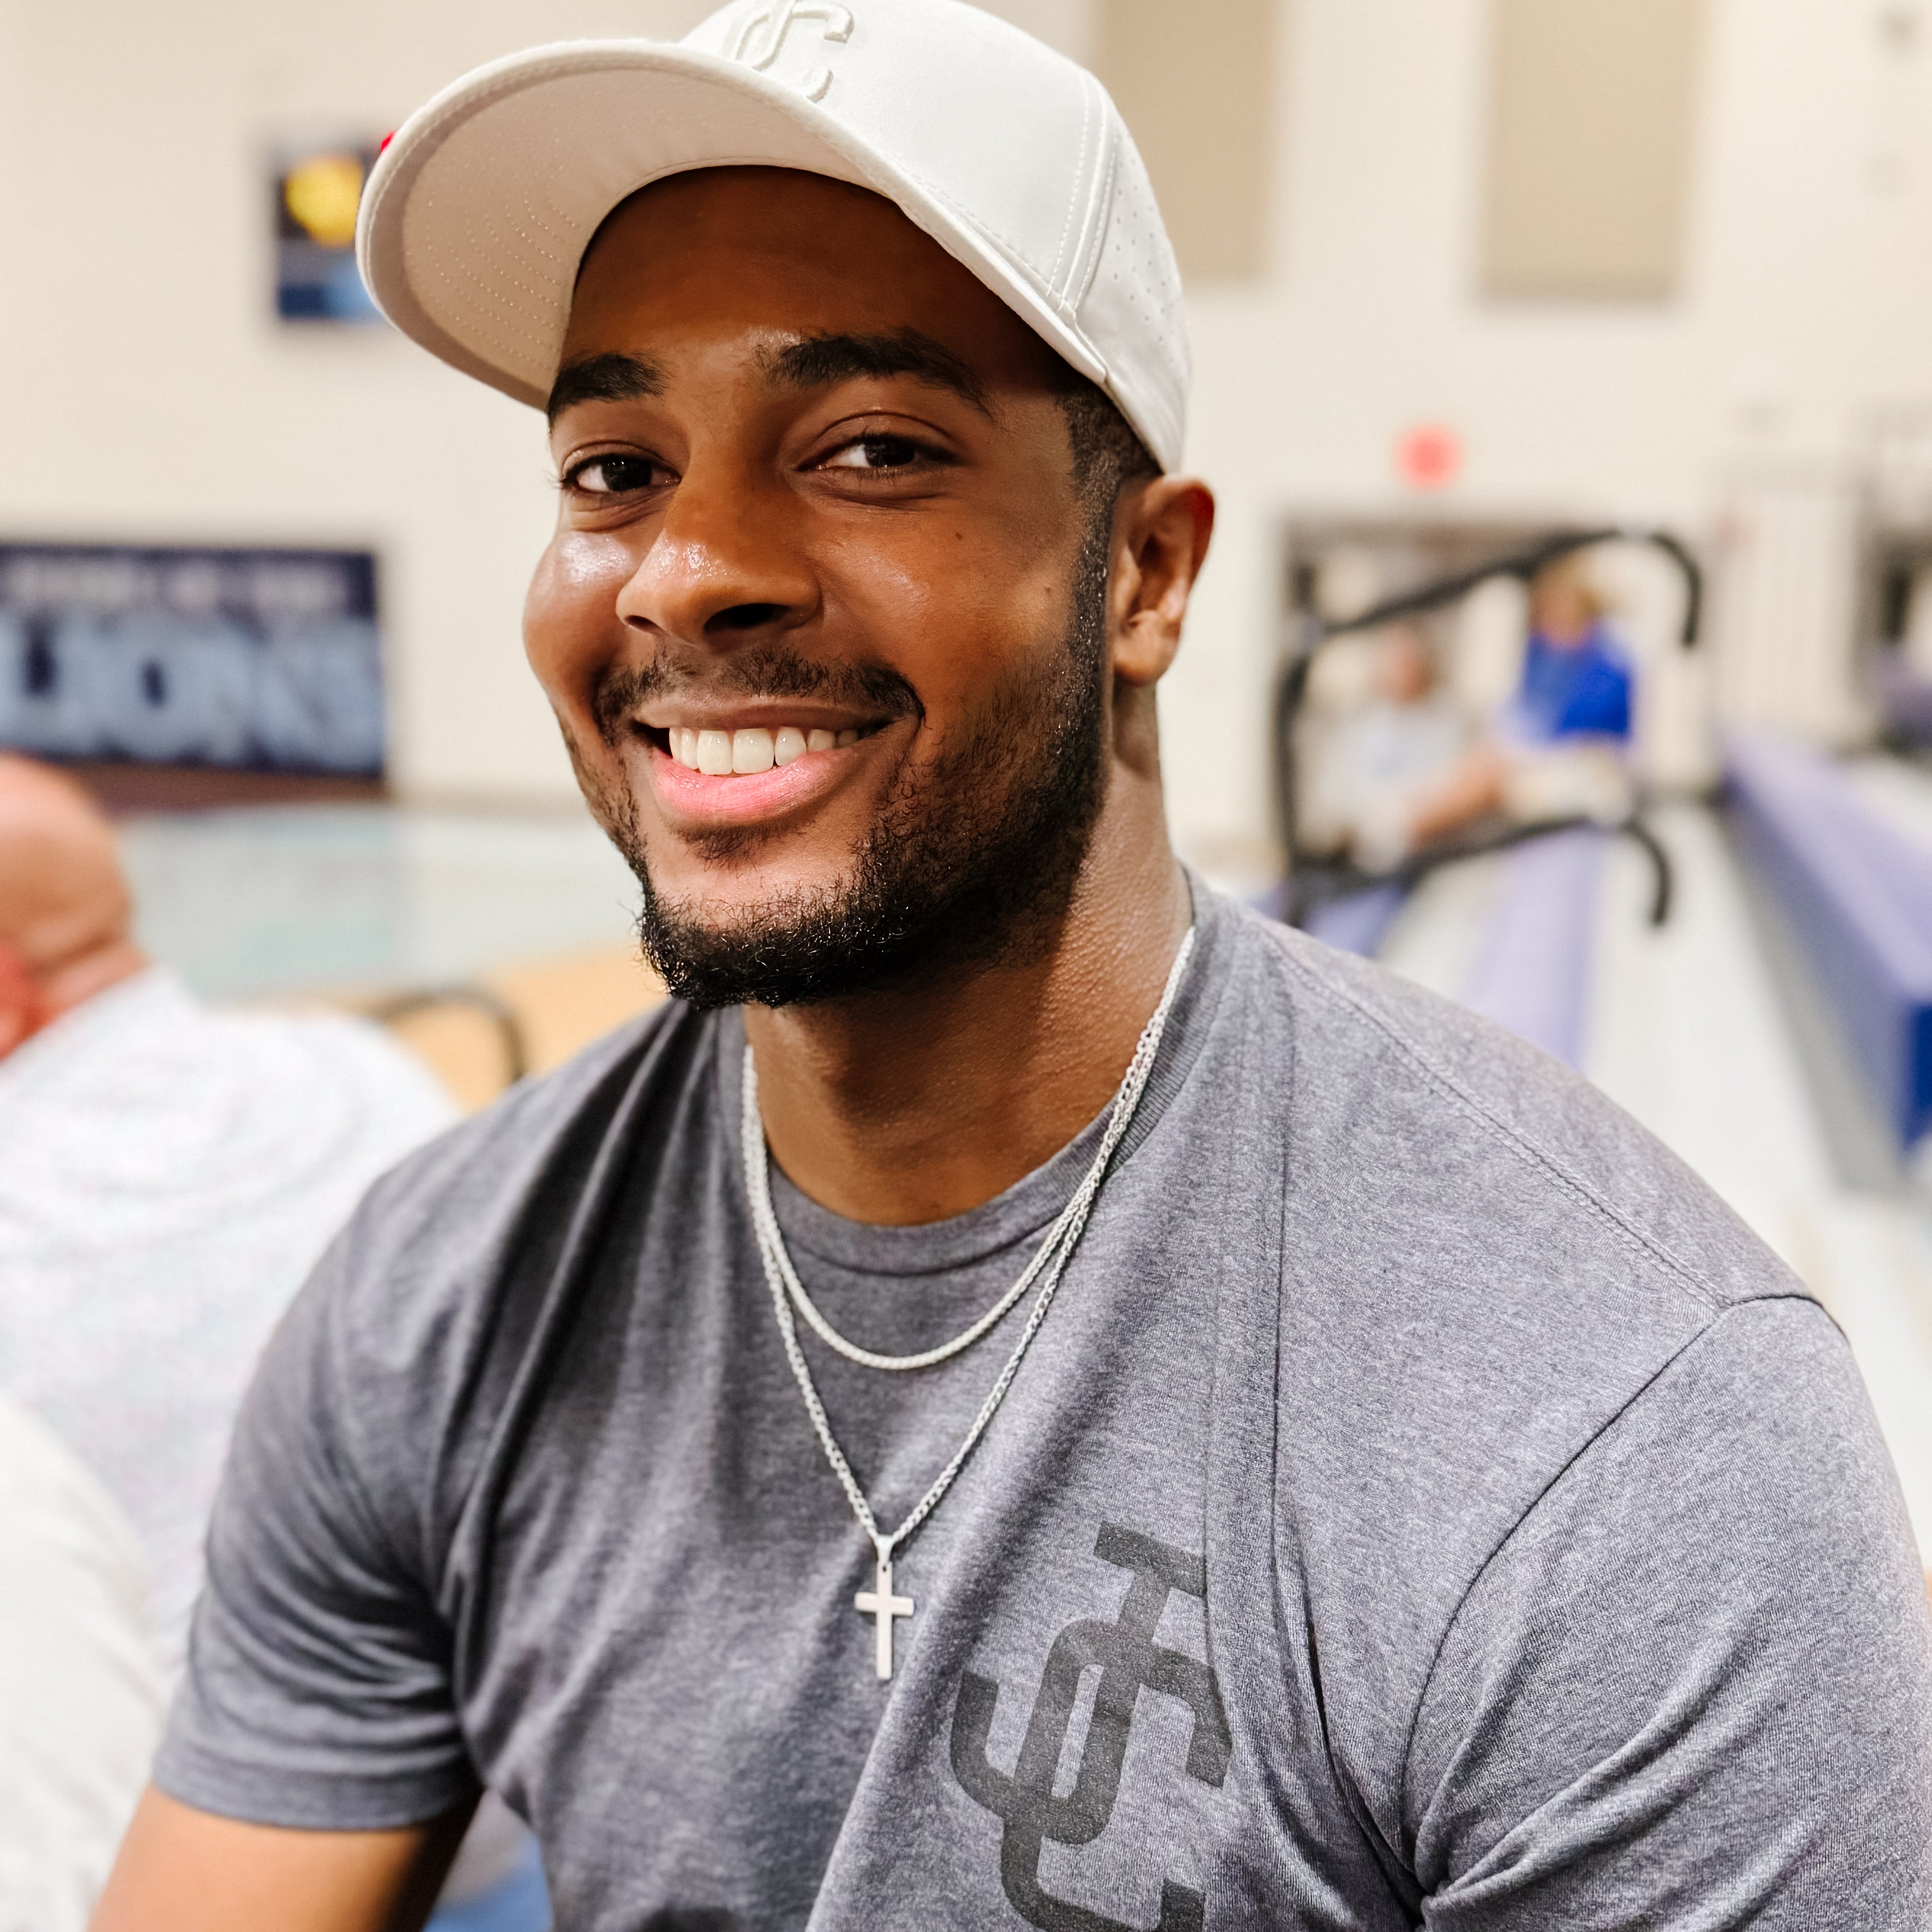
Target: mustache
x=756, y=671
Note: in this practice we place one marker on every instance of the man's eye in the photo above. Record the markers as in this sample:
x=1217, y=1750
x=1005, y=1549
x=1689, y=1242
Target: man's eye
x=876, y=452
x=614, y=475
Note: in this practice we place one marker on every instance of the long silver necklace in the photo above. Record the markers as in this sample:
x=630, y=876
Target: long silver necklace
x=1047, y=1266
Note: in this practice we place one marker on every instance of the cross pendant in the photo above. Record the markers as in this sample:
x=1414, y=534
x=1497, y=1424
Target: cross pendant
x=879, y=1604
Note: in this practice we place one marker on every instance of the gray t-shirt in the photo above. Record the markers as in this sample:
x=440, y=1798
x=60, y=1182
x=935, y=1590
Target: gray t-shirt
x=1424, y=1503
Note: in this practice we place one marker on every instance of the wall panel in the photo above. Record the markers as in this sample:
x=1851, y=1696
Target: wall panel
x=1592, y=113
x=1196, y=84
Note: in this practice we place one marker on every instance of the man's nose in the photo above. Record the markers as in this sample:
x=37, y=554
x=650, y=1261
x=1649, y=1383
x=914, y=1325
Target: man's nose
x=725, y=564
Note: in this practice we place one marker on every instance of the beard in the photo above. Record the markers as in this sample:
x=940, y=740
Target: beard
x=971, y=863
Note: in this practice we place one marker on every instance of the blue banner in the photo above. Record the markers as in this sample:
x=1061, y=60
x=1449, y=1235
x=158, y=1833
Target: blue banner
x=266, y=659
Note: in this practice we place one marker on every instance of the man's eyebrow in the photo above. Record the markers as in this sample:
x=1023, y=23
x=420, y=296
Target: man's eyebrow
x=819, y=360
x=612, y=378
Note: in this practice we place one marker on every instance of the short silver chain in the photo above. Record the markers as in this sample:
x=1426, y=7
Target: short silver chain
x=1050, y=1261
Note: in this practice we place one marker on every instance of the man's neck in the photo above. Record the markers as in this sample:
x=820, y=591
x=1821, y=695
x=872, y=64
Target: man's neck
x=30, y=1001
x=74, y=982
x=910, y=1106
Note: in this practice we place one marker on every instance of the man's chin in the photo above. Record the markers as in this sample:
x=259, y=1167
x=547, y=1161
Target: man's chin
x=796, y=945
x=720, y=893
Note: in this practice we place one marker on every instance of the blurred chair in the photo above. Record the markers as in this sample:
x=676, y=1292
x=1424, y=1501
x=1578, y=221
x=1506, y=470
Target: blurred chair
x=481, y=1036
x=509, y=1895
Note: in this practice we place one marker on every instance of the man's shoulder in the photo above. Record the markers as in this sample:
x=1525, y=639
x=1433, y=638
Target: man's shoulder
x=541, y=1134
x=1456, y=1103
x=444, y=1244
x=1489, y=1272
x=1484, y=1259
x=409, y=1334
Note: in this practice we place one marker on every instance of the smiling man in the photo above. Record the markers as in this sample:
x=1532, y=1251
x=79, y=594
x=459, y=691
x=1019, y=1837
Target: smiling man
x=1026, y=1396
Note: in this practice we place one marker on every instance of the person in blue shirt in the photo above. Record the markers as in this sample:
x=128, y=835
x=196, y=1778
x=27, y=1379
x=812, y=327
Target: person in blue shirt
x=1576, y=679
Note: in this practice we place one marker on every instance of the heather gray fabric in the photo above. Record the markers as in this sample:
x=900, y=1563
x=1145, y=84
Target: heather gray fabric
x=1425, y=1504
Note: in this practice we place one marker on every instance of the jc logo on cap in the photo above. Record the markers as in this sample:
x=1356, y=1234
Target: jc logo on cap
x=761, y=37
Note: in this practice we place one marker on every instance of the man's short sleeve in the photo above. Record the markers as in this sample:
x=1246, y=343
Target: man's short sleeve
x=318, y=1691
x=1694, y=1687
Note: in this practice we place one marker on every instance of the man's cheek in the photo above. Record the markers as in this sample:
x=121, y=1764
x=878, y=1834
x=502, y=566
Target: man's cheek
x=571, y=625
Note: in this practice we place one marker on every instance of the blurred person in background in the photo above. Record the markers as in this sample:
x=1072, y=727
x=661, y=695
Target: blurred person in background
x=1005, y=1266
x=1370, y=764
x=169, y=1174
x=81, y=1684
x=1558, y=749
x=1576, y=677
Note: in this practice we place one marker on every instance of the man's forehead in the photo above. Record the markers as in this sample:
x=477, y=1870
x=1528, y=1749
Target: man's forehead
x=709, y=204
x=34, y=793
x=801, y=279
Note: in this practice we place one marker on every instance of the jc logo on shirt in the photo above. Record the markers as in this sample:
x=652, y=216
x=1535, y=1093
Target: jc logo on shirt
x=1129, y=1661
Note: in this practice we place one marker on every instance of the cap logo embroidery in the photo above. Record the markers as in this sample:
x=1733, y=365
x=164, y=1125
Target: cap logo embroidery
x=761, y=36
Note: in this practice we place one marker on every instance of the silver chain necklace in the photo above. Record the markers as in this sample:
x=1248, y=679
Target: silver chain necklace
x=1050, y=1262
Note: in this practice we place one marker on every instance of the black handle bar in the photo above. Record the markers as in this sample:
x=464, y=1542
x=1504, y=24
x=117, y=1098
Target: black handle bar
x=1524, y=564
x=494, y=1007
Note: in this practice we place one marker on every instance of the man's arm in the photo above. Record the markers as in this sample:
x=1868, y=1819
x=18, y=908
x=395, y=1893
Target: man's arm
x=316, y=1713
x=184, y=1870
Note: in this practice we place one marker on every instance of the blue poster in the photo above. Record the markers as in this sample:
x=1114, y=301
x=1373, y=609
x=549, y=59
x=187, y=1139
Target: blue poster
x=262, y=659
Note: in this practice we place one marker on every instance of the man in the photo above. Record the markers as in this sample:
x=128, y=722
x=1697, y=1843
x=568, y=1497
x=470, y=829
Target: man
x=1370, y=759
x=1576, y=679
x=1026, y=1397
x=168, y=1174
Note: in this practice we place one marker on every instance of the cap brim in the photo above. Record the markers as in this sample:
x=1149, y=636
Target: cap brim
x=477, y=215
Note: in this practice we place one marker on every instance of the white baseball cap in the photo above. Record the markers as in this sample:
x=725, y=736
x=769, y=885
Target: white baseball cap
x=1008, y=154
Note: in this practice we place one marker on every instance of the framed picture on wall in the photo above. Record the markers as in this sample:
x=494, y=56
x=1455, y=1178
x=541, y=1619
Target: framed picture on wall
x=317, y=189
x=261, y=660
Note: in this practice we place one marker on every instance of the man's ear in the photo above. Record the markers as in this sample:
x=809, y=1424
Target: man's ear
x=1165, y=528
x=22, y=1010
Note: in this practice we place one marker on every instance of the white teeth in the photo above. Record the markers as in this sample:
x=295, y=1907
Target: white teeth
x=723, y=754
x=751, y=750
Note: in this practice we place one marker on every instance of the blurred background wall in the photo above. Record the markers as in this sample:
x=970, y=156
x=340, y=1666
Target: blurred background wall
x=1796, y=299
x=1393, y=214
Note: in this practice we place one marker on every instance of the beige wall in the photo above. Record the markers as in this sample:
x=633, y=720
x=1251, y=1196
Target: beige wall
x=1197, y=88
x=145, y=391
x=1592, y=107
